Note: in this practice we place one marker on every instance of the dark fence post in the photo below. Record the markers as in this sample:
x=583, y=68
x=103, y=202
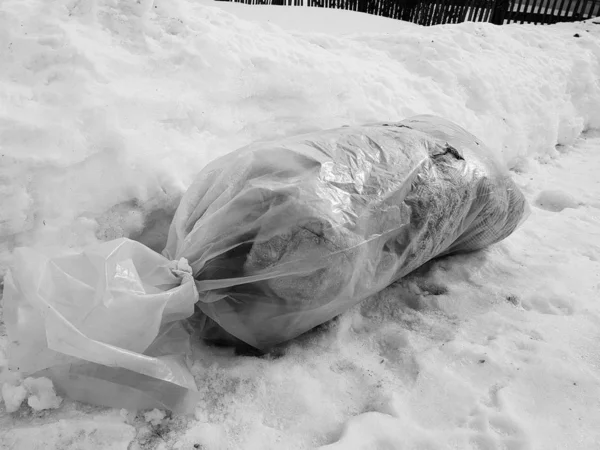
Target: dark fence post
x=500, y=10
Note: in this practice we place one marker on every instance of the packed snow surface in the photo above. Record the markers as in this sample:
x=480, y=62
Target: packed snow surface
x=109, y=108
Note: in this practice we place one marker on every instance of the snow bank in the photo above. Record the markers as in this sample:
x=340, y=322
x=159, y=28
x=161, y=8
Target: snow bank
x=110, y=107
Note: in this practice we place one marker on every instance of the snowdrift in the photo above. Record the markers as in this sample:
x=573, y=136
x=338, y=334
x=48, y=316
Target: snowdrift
x=137, y=98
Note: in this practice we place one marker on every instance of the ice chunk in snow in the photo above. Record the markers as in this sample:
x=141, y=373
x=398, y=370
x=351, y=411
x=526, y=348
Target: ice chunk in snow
x=128, y=416
x=42, y=393
x=13, y=396
x=154, y=417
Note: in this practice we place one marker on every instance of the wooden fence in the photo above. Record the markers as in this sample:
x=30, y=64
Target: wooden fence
x=269, y=2
x=434, y=12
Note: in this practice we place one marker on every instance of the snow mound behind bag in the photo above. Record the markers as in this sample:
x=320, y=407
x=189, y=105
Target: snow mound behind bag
x=106, y=325
x=284, y=236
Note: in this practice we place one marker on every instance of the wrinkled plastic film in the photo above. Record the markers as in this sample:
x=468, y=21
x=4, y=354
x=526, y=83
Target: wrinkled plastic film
x=120, y=388
x=113, y=309
x=286, y=235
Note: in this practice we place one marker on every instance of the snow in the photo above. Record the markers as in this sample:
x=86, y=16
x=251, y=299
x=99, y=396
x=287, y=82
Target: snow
x=304, y=19
x=154, y=417
x=109, y=108
x=13, y=396
x=556, y=201
x=74, y=434
x=42, y=395
x=39, y=393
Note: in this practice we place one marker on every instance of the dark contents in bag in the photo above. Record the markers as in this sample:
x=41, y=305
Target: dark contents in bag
x=284, y=236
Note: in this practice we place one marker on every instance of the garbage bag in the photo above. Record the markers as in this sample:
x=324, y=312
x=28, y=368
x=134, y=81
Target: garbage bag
x=283, y=236
x=269, y=242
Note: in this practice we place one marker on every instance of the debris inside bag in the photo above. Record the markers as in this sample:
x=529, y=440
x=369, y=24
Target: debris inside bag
x=271, y=241
x=283, y=236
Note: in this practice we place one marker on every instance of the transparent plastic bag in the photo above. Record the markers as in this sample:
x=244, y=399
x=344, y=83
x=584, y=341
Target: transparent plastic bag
x=106, y=325
x=280, y=237
x=283, y=236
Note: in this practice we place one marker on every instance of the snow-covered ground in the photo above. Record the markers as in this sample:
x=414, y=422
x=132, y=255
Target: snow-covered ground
x=107, y=110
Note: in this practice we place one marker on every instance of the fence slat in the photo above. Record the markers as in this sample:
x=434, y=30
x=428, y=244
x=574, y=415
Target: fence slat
x=484, y=11
x=453, y=12
x=508, y=16
x=585, y=10
x=588, y=5
x=477, y=11
x=547, y=14
x=393, y=10
x=574, y=13
x=438, y=10
x=446, y=12
x=472, y=13
x=487, y=15
x=569, y=10
x=525, y=11
x=560, y=11
x=553, y=11
x=462, y=10
x=595, y=13
x=515, y=14
x=439, y=16
x=487, y=11
x=431, y=13
x=550, y=11
x=480, y=11
x=422, y=12
x=537, y=4
x=543, y=11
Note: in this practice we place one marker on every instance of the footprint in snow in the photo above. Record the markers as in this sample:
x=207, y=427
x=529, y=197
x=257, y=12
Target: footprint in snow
x=494, y=426
x=556, y=201
x=552, y=305
x=398, y=354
